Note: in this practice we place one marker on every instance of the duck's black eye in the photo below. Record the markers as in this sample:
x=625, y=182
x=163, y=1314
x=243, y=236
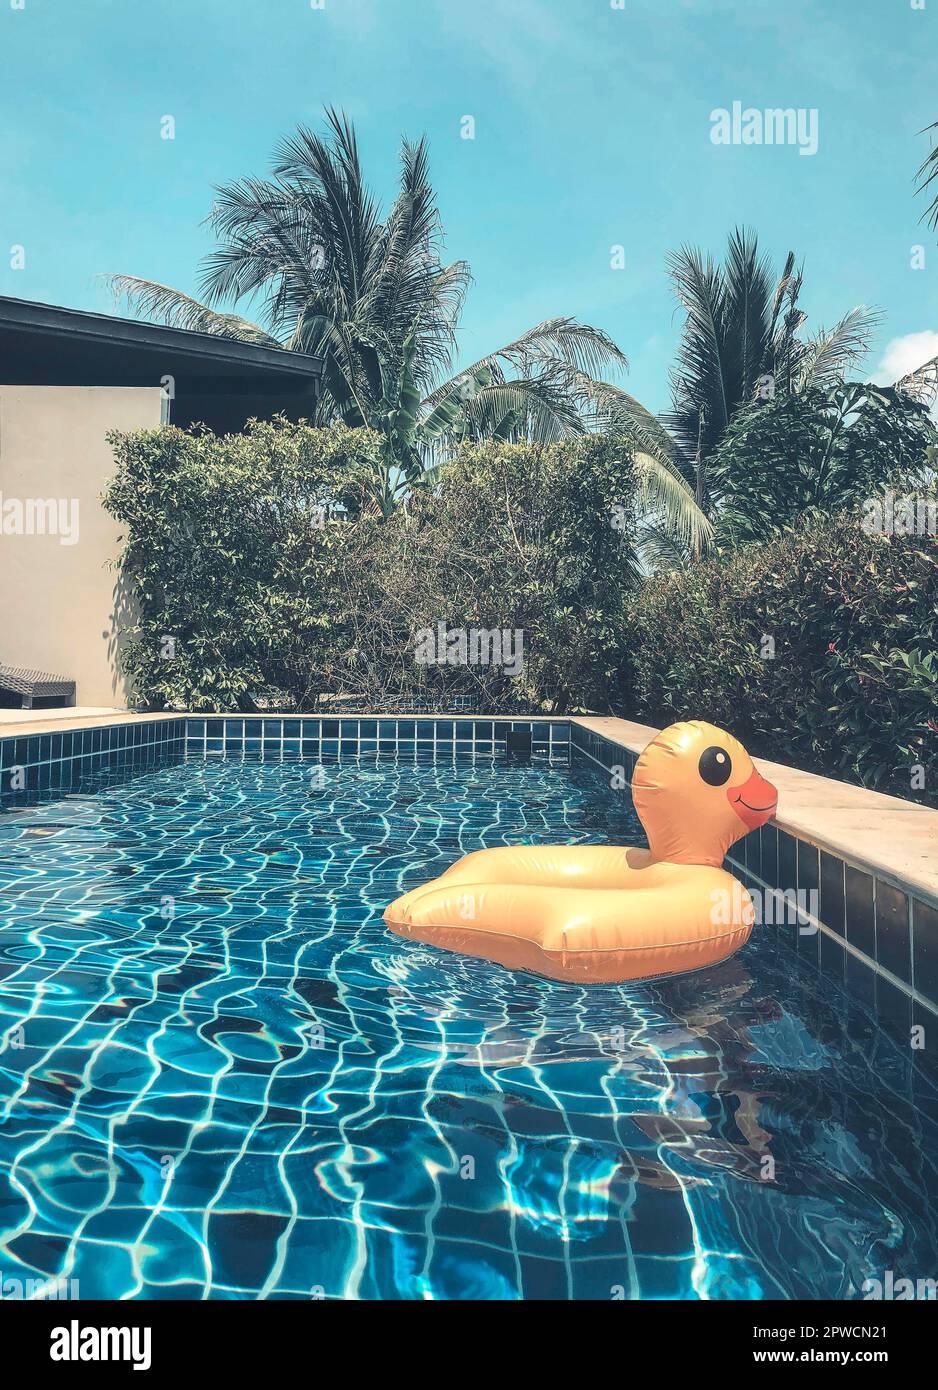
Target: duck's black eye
x=715, y=766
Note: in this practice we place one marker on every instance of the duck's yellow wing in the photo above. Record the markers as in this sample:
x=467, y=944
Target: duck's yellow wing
x=685, y=918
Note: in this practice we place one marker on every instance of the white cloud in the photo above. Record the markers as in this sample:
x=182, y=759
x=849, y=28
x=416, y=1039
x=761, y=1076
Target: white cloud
x=904, y=355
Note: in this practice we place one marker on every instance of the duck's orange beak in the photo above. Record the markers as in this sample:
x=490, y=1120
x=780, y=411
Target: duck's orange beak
x=754, y=802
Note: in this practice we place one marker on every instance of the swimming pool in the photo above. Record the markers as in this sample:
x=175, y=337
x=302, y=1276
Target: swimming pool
x=223, y=1077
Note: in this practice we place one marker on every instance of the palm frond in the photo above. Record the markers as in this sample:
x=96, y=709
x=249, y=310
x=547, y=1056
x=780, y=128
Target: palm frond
x=659, y=550
x=615, y=411
x=748, y=306
x=147, y=299
x=665, y=496
x=830, y=354
x=535, y=408
x=927, y=177
x=922, y=384
x=698, y=379
x=548, y=348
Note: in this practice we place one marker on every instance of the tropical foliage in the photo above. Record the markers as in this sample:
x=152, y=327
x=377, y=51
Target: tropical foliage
x=817, y=647
x=232, y=547
x=539, y=495
x=743, y=338
x=536, y=539
x=785, y=460
x=309, y=249
x=250, y=577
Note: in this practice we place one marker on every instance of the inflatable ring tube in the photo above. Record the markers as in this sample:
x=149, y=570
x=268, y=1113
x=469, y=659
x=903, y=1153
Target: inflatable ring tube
x=600, y=913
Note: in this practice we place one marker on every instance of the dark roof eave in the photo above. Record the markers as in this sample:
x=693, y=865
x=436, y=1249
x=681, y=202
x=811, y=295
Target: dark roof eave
x=80, y=325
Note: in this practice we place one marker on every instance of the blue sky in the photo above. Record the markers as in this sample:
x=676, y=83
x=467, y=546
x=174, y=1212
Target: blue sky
x=592, y=130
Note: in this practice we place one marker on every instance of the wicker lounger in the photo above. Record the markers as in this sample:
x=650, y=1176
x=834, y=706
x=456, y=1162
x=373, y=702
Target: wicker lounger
x=34, y=685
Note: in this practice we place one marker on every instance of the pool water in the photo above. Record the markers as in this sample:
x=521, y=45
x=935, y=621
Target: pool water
x=222, y=1077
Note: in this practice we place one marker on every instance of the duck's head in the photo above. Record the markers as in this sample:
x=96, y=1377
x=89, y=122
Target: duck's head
x=697, y=792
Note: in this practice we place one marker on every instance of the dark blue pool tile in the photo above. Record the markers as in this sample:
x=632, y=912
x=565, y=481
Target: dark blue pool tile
x=809, y=942
x=894, y=1011
x=787, y=863
x=893, y=937
x=832, y=956
x=861, y=925
x=769, y=836
x=860, y=980
x=925, y=950
x=808, y=885
x=808, y=867
x=925, y=1046
x=832, y=893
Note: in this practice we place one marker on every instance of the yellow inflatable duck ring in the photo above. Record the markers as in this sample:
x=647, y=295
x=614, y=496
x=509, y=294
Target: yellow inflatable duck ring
x=599, y=913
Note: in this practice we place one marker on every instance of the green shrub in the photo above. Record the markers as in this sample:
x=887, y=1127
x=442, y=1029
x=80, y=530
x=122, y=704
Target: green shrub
x=228, y=559
x=231, y=551
x=815, y=452
x=518, y=537
x=852, y=688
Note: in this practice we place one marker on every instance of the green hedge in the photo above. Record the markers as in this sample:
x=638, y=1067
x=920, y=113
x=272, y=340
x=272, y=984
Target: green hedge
x=239, y=587
x=852, y=688
x=534, y=539
x=231, y=551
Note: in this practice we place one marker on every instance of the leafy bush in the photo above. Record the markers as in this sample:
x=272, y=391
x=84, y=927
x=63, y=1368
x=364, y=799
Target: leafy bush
x=852, y=618
x=518, y=537
x=817, y=451
x=231, y=550
x=229, y=559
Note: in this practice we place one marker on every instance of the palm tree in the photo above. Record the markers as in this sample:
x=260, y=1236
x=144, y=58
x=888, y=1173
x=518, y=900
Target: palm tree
x=308, y=249
x=742, y=335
